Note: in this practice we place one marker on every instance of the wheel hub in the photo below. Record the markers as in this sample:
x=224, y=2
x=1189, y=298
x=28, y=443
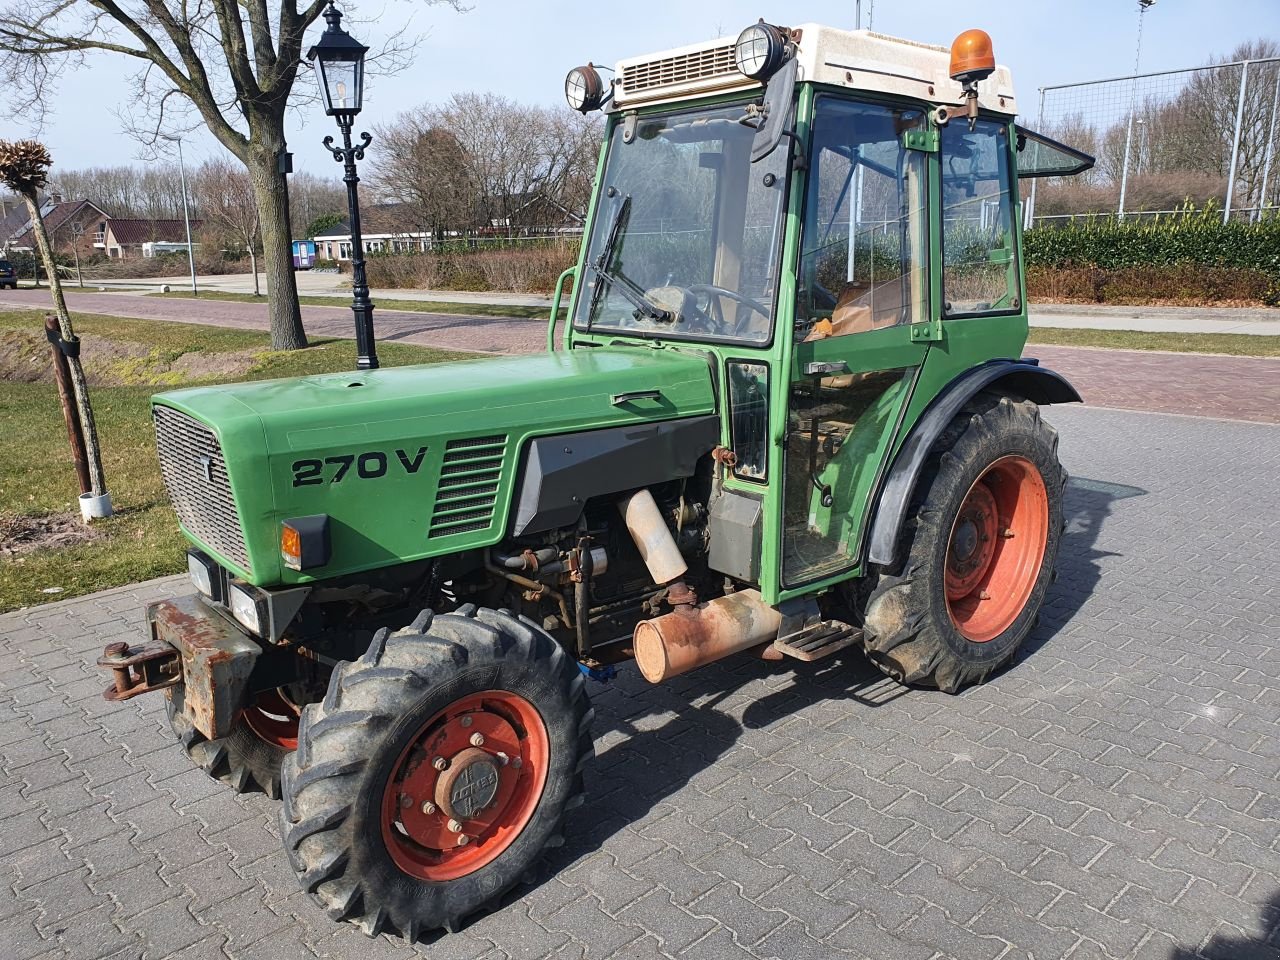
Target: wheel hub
x=465, y=786
x=996, y=548
x=972, y=542
x=469, y=785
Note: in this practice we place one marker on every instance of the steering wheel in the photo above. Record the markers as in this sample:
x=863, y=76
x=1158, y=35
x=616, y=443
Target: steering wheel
x=714, y=292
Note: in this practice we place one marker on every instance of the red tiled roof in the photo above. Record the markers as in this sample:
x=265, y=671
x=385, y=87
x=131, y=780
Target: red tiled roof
x=130, y=232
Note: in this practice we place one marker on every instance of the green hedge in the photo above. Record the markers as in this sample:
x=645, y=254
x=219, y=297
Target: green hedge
x=1198, y=237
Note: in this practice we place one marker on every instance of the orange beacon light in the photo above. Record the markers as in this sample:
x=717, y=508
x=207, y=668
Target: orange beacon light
x=972, y=59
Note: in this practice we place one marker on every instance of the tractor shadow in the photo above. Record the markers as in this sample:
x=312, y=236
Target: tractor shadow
x=653, y=741
x=1087, y=505
x=1223, y=947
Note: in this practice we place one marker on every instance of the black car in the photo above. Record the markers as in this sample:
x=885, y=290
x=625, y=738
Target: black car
x=8, y=276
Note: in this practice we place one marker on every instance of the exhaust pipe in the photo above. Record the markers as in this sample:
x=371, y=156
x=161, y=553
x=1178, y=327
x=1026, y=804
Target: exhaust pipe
x=692, y=637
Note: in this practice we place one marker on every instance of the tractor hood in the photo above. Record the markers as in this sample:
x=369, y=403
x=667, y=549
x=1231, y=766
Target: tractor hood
x=407, y=462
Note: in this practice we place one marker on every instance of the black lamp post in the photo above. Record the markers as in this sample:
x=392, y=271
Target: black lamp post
x=340, y=58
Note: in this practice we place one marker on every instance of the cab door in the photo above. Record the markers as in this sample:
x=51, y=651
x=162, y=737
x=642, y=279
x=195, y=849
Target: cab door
x=863, y=325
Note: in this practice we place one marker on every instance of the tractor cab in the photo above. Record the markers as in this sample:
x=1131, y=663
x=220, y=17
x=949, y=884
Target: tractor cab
x=833, y=217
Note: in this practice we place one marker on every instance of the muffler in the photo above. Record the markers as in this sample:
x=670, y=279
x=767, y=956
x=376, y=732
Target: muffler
x=692, y=637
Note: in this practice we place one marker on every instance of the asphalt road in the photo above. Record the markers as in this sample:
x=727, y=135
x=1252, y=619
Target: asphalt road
x=1113, y=794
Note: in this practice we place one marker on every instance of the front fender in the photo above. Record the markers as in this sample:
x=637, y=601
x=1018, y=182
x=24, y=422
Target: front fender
x=1022, y=378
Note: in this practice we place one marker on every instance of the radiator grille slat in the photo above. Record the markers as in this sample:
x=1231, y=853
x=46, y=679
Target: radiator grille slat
x=684, y=68
x=468, y=487
x=195, y=477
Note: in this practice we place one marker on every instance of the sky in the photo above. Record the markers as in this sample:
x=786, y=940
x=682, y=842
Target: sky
x=523, y=50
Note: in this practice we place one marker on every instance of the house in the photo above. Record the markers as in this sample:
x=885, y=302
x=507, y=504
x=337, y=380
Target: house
x=126, y=239
x=385, y=228
x=73, y=226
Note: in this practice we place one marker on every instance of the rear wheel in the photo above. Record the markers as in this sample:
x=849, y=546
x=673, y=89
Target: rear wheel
x=249, y=756
x=979, y=545
x=436, y=771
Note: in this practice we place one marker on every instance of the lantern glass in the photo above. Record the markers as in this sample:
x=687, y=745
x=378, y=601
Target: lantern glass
x=342, y=82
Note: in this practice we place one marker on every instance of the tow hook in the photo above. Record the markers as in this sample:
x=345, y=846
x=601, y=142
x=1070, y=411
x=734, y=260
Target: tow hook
x=140, y=669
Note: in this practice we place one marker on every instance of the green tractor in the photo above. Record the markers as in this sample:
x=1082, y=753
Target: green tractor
x=786, y=415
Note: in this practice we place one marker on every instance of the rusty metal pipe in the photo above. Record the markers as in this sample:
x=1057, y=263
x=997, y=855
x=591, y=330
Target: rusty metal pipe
x=652, y=537
x=692, y=637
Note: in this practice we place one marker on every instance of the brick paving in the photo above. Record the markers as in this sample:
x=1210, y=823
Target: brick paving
x=1112, y=795
x=1243, y=388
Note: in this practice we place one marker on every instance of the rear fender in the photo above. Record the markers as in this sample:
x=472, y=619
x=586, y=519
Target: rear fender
x=1020, y=378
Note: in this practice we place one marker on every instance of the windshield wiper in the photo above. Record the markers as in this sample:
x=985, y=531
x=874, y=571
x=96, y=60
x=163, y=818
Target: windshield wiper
x=622, y=283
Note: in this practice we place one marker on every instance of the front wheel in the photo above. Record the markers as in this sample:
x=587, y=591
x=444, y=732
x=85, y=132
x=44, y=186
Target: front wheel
x=436, y=771
x=980, y=545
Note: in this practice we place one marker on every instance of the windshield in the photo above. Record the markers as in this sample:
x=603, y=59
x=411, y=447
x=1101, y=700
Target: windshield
x=686, y=233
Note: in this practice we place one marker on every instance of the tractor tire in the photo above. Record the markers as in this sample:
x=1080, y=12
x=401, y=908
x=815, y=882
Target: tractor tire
x=436, y=771
x=979, y=546
x=251, y=754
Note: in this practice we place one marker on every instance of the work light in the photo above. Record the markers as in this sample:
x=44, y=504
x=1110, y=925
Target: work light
x=583, y=89
x=760, y=50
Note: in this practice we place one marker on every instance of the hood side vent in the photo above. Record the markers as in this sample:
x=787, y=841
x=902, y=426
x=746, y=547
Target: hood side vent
x=468, y=487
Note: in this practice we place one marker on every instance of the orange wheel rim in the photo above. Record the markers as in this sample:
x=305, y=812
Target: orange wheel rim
x=273, y=719
x=465, y=786
x=996, y=548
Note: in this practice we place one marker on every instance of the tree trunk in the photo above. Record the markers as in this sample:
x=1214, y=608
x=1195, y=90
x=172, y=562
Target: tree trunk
x=253, y=264
x=271, y=192
x=97, y=480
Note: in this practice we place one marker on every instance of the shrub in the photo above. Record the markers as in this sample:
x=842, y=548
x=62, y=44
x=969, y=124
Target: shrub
x=1192, y=255
x=519, y=269
x=1158, y=283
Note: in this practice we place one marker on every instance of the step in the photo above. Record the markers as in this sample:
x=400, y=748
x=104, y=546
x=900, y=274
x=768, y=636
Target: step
x=818, y=640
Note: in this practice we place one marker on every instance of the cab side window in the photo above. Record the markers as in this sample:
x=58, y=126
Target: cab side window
x=864, y=248
x=979, y=262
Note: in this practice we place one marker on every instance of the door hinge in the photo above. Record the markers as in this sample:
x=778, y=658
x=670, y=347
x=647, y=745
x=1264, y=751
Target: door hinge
x=926, y=141
x=930, y=330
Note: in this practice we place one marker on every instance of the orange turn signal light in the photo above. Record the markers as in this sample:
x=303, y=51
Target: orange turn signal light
x=972, y=57
x=291, y=547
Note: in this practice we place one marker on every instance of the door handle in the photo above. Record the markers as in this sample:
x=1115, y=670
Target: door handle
x=631, y=395
x=825, y=368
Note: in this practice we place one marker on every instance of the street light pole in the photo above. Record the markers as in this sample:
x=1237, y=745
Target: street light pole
x=361, y=305
x=186, y=215
x=339, y=59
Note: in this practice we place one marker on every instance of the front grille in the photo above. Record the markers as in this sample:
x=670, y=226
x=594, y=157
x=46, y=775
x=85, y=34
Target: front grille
x=684, y=68
x=195, y=475
x=468, y=487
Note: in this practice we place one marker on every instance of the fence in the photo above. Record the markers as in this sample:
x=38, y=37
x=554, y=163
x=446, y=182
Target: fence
x=1204, y=136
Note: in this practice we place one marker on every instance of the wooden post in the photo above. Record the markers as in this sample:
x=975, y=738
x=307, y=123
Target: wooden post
x=62, y=374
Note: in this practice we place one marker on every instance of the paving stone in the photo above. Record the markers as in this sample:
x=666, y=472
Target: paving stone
x=1111, y=795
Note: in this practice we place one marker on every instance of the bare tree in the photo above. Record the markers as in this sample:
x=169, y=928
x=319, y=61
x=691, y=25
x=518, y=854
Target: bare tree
x=232, y=62
x=480, y=160
x=225, y=194
x=312, y=197
x=24, y=167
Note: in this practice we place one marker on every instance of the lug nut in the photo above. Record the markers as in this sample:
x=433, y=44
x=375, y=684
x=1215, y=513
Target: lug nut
x=983, y=595
x=517, y=763
x=1006, y=534
x=455, y=826
x=428, y=807
x=465, y=721
x=406, y=801
x=477, y=739
x=463, y=840
x=440, y=763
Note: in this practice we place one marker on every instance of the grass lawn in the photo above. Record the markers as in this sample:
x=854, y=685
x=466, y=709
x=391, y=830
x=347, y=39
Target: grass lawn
x=384, y=303
x=142, y=540
x=1235, y=344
